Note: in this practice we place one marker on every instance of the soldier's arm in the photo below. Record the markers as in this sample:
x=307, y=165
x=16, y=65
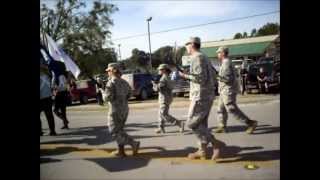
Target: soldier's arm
x=199, y=73
x=162, y=85
x=129, y=91
x=109, y=92
x=226, y=73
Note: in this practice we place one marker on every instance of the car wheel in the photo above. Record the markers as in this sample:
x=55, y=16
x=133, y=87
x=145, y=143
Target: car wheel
x=143, y=94
x=180, y=94
x=84, y=99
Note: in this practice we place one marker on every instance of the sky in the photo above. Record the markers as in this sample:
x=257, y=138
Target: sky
x=131, y=18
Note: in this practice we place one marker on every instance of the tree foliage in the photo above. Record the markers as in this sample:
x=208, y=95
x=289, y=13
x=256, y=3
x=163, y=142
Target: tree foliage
x=267, y=29
x=84, y=33
x=237, y=36
x=139, y=60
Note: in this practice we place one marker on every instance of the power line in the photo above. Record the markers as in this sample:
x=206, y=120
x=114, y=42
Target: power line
x=198, y=25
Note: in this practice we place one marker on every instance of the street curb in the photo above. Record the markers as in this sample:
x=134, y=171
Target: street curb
x=177, y=104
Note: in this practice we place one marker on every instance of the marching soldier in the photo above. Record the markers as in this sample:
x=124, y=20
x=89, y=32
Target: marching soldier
x=202, y=79
x=165, y=87
x=117, y=93
x=228, y=93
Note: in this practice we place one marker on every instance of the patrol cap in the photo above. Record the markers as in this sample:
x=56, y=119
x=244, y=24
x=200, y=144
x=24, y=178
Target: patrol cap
x=223, y=49
x=195, y=40
x=163, y=66
x=112, y=66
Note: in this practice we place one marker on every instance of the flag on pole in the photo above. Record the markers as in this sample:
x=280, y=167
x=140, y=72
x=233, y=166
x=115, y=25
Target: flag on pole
x=59, y=55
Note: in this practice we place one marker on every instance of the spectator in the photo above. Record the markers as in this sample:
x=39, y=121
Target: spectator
x=46, y=99
x=262, y=81
x=61, y=98
x=99, y=90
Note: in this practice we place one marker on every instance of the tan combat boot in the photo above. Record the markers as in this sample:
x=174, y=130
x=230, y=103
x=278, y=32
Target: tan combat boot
x=200, y=154
x=252, y=126
x=120, y=152
x=216, y=147
x=180, y=124
x=135, y=147
x=160, y=130
x=221, y=129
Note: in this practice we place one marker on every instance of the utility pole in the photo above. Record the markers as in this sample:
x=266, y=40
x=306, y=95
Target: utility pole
x=150, y=61
x=119, y=52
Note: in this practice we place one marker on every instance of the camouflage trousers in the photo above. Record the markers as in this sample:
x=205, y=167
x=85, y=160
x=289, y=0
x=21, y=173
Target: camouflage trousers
x=116, y=123
x=164, y=115
x=198, y=119
x=227, y=104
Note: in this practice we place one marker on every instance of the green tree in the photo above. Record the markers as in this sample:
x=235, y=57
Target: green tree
x=237, y=36
x=182, y=51
x=84, y=32
x=253, y=32
x=269, y=29
x=245, y=35
x=163, y=55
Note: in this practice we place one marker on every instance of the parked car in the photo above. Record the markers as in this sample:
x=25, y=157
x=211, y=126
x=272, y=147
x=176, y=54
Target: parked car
x=82, y=91
x=141, y=84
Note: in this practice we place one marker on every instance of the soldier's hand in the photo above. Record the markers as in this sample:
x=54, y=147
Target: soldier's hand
x=181, y=74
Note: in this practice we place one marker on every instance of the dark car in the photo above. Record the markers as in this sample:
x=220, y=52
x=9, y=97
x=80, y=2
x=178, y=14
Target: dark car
x=140, y=83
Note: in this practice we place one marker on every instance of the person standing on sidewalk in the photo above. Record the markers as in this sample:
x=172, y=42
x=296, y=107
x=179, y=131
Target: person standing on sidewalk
x=165, y=87
x=117, y=93
x=202, y=79
x=61, y=97
x=228, y=93
x=46, y=99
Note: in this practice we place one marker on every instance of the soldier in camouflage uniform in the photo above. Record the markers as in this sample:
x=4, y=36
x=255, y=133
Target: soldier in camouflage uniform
x=165, y=87
x=228, y=88
x=117, y=93
x=202, y=79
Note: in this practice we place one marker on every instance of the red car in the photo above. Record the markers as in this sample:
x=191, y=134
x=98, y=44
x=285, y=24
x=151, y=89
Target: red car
x=83, y=91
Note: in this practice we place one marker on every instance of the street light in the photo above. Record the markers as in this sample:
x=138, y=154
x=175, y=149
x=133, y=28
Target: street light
x=119, y=52
x=148, y=20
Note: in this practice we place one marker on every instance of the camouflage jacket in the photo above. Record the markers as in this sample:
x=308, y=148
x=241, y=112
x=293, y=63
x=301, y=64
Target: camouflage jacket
x=165, y=88
x=117, y=92
x=227, y=78
x=202, y=77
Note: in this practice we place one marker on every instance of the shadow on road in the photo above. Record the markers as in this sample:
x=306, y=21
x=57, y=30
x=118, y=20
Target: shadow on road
x=229, y=154
x=261, y=129
x=116, y=164
x=232, y=154
x=60, y=150
x=48, y=160
x=98, y=135
x=142, y=125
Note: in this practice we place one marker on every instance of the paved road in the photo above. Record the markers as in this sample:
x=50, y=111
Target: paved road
x=84, y=151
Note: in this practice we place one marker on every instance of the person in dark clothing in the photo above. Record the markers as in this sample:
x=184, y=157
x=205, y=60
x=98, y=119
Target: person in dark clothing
x=243, y=73
x=61, y=98
x=263, y=81
x=99, y=89
x=46, y=99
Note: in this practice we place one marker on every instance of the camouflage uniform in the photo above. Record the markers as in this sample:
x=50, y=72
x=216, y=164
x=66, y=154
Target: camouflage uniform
x=117, y=94
x=228, y=88
x=165, y=87
x=202, y=77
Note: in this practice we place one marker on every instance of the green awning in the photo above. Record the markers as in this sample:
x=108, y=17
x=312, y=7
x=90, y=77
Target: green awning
x=239, y=49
